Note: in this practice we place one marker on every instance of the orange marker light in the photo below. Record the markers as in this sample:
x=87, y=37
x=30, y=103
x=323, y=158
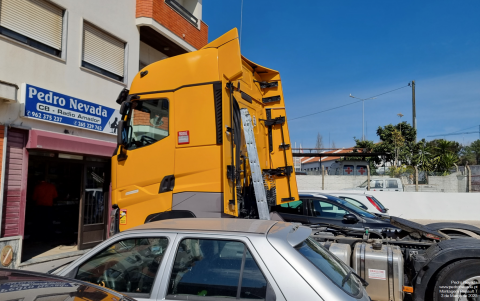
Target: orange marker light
x=408, y=289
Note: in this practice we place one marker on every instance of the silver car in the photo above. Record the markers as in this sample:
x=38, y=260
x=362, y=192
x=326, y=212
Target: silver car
x=218, y=259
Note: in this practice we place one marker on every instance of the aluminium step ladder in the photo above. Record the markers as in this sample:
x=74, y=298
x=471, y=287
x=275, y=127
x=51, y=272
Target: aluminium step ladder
x=257, y=177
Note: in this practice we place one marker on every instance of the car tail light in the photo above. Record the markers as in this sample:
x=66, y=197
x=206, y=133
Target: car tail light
x=374, y=204
x=114, y=221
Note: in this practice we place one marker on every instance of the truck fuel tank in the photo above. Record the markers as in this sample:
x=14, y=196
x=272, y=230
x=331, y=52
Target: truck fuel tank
x=342, y=251
x=382, y=267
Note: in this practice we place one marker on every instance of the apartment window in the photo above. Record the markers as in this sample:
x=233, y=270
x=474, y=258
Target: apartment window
x=185, y=8
x=102, y=52
x=37, y=23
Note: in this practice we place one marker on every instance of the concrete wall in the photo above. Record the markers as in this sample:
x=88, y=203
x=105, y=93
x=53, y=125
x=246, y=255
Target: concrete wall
x=23, y=64
x=431, y=205
x=456, y=182
x=314, y=182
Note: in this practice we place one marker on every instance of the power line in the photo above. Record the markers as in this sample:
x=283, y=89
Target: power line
x=458, y=132
x=464, y=129
x=351, y=103
x=326, y=110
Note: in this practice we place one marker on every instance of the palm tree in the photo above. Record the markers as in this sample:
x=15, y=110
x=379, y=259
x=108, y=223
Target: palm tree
x=448, y=160
x=444, y=146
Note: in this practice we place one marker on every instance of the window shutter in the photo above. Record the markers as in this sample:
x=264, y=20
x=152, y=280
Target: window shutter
x=37, y=19
x=103, y=50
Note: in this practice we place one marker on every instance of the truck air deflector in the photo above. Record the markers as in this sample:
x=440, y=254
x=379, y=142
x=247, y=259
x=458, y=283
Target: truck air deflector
x=178, y=88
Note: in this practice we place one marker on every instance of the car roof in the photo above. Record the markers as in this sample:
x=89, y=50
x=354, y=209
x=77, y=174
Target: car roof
x=334, y=193
x=210, y=224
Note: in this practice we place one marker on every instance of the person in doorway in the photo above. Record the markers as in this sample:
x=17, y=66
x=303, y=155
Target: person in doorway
x=43, y=195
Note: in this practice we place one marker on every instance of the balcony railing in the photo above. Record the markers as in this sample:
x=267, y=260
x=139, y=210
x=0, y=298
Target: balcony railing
x=182, y=11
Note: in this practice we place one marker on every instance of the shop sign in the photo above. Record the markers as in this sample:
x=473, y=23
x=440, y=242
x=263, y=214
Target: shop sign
x=54, y=107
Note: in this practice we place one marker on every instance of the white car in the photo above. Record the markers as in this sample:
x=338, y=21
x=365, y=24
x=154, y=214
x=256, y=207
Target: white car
x=380, y=184
x=360, y=199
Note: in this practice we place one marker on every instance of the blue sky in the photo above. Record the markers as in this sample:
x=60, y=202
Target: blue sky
x=326, y=50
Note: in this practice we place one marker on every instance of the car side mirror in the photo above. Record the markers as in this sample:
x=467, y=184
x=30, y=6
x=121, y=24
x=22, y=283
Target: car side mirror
x=350, y=218
x=122, y=132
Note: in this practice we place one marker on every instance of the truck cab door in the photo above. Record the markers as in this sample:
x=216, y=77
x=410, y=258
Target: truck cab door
x=144, y=167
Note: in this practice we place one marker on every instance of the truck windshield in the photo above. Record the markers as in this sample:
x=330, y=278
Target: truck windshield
x=149, y=123
x=329, y=265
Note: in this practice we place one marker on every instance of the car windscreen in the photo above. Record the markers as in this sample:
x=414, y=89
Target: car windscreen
x=337, y=271
x=354, y=208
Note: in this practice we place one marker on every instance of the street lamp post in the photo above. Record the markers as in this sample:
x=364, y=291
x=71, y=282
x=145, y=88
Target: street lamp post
x=363, y=113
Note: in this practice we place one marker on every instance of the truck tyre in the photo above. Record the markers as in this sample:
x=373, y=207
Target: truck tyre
x=459, y=281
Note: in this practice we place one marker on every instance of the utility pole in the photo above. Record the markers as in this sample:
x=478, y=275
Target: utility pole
x=363, y=120
x=414, y=115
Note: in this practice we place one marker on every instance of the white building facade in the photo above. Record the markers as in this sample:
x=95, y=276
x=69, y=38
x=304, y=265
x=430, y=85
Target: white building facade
x=62, y=65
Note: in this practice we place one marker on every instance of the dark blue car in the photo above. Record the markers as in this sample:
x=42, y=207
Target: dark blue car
x=327, y=209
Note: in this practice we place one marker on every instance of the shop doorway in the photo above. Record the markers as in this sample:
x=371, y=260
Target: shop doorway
x=93, y=219
x=67, y=201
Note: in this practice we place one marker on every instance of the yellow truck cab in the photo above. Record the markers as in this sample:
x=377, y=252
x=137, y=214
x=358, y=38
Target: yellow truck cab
x=200, y=133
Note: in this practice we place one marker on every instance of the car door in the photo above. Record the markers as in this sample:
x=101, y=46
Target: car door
x=216, y=267
x=326, y=211
x=295, y=212
x=131, y=263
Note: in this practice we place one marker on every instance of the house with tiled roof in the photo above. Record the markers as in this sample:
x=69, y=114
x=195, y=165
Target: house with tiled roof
x=316, y=163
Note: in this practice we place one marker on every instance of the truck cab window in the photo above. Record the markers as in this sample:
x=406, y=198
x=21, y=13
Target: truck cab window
x=149, y=123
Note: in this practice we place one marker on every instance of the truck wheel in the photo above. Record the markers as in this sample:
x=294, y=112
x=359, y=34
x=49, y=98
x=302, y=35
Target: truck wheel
x=459, y=281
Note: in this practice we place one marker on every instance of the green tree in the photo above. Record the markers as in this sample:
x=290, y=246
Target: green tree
x=475, y=149
x=423, y=156
x=442, y=146
x=446, y=153
x=404, y=134
x=470, y=153
x=367, y=146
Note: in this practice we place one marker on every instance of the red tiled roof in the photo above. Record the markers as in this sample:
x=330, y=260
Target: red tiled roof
x=325, y=159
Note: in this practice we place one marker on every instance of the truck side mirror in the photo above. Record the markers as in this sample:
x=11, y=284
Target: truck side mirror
x=350, y=218
x=122, y=132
